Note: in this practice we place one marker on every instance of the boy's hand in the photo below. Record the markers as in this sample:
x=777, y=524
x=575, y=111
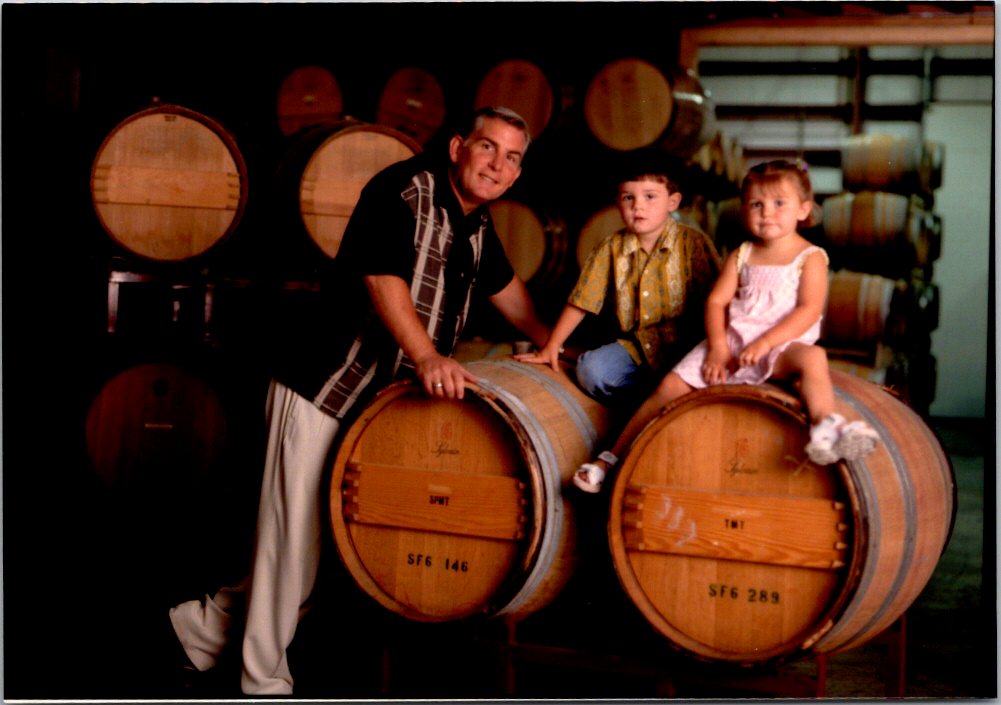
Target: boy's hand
x=716, y=367
x=549, y=355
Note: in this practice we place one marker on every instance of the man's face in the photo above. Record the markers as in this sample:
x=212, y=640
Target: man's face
x=487, y=163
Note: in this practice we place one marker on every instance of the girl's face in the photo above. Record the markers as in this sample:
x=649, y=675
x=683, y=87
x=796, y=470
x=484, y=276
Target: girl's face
x=646, y=205
x=774, y=210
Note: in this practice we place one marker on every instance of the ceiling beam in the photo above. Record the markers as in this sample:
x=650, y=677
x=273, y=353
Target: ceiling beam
x=838, y=31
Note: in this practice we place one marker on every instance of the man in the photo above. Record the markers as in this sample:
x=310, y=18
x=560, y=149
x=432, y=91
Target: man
x=421, y=240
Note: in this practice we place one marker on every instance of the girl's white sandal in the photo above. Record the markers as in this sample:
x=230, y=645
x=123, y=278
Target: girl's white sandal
x=589, y=476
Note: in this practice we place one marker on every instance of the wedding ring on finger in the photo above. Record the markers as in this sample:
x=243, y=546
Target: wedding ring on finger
x=438, y=385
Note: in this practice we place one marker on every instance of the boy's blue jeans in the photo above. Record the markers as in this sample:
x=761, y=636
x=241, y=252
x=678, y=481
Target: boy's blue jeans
x=608, y=373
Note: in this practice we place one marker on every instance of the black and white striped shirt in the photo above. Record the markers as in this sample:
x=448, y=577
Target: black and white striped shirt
x=408, y=223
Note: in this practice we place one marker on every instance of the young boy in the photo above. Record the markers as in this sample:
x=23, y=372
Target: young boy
x=658, y=273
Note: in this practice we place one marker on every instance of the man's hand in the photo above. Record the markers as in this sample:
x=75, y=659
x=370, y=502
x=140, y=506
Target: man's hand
x=443, y=377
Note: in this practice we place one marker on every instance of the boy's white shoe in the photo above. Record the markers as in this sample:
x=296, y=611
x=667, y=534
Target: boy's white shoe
x=823, y=436
x=857, y=440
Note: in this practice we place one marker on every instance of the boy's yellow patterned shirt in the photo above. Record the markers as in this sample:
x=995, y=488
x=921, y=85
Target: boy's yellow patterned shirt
x=654, y=291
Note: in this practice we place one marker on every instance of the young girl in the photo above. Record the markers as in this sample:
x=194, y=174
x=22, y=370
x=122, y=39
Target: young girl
x=762, y=319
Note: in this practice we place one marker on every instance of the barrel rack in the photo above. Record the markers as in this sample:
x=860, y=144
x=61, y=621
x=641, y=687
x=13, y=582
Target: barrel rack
x=186, y=302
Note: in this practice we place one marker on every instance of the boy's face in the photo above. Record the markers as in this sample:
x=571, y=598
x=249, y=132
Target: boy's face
x=646, y=205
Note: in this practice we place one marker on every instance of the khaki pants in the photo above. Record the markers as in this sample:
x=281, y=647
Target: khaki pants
x=286, y=553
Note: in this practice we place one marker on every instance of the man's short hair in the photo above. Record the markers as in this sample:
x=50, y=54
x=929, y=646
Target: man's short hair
x=500, y=112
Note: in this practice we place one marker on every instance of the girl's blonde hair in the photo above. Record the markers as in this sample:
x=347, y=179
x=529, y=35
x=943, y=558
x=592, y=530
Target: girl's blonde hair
x=774, y=171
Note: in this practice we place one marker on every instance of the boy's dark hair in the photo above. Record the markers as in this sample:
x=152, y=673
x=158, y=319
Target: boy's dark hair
x=654, y=164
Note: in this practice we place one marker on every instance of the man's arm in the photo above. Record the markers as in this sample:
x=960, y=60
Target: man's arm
x=391, y=298
x=515, y=304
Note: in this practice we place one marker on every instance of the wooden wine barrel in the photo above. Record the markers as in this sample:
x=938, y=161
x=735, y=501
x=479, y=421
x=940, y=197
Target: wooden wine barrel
x=603, y=223
x=931, y=166
x=916, y=314
x=522, y=86
x=915, y=378
x=630, y=103
x=156, y=427
x=325, y=169
x=309, y=95
x=723, y=156
x=875, y=373
x=693, y=116
x=729, y=229
x=858, y=310
x=929, y=247
x=889, y=163
x=412, y=102
x=446, y=509
x=709, y=157
x=535, y=242
x=168, y=184
x=734, y=162
x=695, y=215
x=737, y=548
x=879, y=232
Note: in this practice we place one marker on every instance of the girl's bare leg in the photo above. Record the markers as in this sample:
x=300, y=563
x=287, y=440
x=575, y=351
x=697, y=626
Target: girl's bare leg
x=809, y=364
x=831, y=437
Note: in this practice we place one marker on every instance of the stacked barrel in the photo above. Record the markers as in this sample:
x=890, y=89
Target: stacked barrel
x=169, y=185
x=170, y=188
x=884, y=238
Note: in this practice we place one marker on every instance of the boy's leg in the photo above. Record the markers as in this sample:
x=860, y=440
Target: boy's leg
x=606, y=372
x=670, y=388
x=287, y=545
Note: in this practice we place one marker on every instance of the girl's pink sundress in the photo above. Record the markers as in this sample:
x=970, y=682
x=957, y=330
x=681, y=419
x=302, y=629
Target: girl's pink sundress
x=766, y=294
